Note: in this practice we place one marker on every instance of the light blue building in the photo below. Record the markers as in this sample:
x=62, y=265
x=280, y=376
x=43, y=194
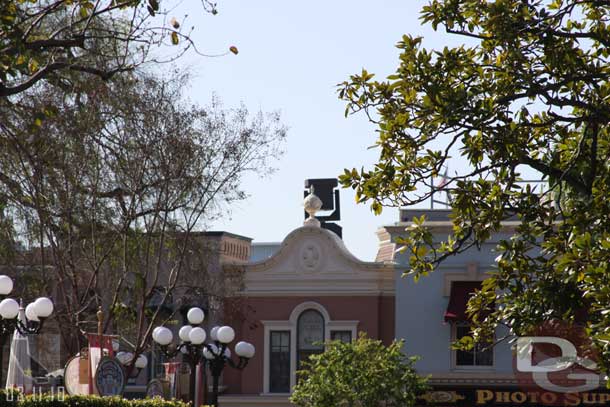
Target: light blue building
x=430, y=313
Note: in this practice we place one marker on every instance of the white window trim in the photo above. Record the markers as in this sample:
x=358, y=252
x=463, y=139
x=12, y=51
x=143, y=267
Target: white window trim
x=462, y=368
x=472, y=273
x=291, y=326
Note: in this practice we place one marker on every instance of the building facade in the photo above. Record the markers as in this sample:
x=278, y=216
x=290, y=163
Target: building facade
x=309, y=290
x=431, y=315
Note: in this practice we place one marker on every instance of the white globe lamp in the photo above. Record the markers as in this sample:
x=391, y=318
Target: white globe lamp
x=244, y=350
x=195, y=316
x=141, y=362
x=30, y=313
x=43, y=307
x=197, y=336
x=184, y=332
x=225, y=334
x=6, y=285
x=214, y=333
x=164, y=336
x=9, y=308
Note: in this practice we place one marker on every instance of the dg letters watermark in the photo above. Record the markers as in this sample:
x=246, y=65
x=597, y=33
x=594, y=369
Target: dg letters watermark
x=585, y=380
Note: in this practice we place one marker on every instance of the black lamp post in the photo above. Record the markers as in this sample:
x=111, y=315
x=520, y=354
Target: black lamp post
x=195, y=351
x=10, y=320
x=218, y=355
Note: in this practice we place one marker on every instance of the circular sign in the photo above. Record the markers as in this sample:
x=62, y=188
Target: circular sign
x=72, y=378
x=156, y=388
x=109, y=377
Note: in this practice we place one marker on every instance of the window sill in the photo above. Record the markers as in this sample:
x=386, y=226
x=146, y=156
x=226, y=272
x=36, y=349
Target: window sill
x=473, y=369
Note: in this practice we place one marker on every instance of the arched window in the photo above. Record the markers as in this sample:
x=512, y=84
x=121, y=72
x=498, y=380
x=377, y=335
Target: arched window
x=310, y=334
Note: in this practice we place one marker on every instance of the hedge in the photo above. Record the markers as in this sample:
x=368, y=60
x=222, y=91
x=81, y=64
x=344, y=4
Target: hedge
x=10, y=398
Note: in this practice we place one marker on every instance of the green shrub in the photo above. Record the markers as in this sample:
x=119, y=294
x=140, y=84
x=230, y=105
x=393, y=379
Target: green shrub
x=360, y=373
x=12, y=398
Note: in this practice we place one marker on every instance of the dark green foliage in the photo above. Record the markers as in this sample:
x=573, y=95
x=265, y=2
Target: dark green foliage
x=528, y=90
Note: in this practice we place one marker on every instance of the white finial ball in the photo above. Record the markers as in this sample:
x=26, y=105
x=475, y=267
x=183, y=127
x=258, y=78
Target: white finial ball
x=312, y=204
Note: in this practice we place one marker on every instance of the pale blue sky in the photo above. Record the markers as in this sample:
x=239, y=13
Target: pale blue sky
x=292, y=55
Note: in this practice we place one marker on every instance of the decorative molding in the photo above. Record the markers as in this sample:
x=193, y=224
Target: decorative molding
x=314, y=261
x=472, y=273
x=291, y=326
x=311, y=256
x=328, y=239
x=304, y=306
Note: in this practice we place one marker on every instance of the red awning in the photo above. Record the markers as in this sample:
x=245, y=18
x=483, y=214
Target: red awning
x=461, y=291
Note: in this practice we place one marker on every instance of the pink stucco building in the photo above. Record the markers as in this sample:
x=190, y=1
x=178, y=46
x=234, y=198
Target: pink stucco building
x=308, y=290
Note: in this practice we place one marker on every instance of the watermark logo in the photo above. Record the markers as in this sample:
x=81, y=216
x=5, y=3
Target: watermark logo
x=556, y=359
x=567, y=359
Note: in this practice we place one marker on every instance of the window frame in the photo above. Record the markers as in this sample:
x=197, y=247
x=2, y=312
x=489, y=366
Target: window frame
x=341, y=331
x=455, y=366
x=290, y=339
x=291, y=325
x=299, y=332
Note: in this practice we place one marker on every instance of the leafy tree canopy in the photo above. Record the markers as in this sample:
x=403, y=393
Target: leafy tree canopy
x=360, y=373
x=46, y=39
x=529, y=89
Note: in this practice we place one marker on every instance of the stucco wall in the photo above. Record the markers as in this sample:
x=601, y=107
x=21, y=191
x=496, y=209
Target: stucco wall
x=420, y=308
x=374, y=313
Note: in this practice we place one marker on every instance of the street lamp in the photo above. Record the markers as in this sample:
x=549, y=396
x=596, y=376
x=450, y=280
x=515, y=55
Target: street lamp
x=218, y=355
x=127, y=357
x=195, y=351
x=35, y=315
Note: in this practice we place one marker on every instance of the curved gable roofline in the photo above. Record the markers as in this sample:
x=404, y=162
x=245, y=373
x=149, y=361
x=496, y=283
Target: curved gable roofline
x=334, y=241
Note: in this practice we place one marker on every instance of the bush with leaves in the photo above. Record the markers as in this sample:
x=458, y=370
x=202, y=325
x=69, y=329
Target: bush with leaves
x=363, y=373
x=12, y=398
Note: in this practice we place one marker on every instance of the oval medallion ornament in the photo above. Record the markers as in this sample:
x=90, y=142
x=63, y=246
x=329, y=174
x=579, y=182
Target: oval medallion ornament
x=109, y=377
x=310, y=256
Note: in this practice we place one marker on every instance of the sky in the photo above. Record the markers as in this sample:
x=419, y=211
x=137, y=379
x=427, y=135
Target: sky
x=291, y=57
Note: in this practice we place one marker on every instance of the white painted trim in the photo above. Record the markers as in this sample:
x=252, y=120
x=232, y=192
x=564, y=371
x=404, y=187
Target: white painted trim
x=343, y=326
x=304, y=306
x=276, y=326
x=291, y=326
x=472, y=273
x=456, y=368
